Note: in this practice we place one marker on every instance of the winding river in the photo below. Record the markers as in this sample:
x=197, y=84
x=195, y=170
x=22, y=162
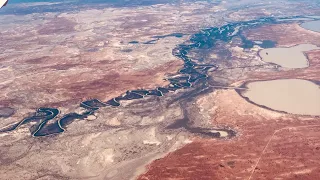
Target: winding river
x=192, y=73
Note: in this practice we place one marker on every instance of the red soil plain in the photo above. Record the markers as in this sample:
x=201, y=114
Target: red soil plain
x=269, y=145
x=60, y=60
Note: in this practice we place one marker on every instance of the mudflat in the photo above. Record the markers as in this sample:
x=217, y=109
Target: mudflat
x=312, y=25
x=290, y=95
x=292, y=57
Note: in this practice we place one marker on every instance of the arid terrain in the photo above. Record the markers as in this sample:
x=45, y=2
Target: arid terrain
x=154, y=91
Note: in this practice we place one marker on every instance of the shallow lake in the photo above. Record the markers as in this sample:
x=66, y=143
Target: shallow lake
x=312, y=25
x=292, y=57
x=294, y=96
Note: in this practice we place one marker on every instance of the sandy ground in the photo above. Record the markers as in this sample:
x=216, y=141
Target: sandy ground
x=60, y=59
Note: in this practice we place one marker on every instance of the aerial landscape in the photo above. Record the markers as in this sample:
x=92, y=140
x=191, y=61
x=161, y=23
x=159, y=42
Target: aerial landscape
x=160, y=89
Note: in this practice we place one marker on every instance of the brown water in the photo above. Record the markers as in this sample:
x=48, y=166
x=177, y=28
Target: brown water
x=312, y=25
x=290, y=95
x=292, y=57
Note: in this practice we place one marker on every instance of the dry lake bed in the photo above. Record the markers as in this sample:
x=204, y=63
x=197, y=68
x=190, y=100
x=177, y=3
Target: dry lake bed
x=294, y=96
x=292, y=57
x=312, y=25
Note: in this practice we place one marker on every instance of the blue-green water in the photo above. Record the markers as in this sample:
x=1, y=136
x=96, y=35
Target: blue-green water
x=192, y=74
